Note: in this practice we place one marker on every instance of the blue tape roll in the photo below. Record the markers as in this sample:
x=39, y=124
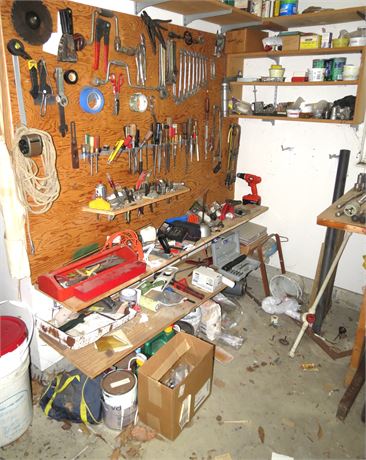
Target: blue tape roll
x=91, y=99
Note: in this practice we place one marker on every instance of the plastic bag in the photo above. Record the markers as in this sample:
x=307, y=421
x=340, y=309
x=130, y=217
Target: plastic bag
x=232, y=340
x=211, y=319
x=177, y=375
x=287, y=306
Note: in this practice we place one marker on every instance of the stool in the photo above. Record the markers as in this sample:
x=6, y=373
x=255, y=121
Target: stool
x=260, y=255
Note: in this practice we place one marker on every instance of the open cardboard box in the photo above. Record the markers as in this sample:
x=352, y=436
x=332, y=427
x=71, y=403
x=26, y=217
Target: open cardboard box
x=168, y=410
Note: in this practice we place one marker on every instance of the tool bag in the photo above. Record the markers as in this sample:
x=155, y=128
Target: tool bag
x=73, y=396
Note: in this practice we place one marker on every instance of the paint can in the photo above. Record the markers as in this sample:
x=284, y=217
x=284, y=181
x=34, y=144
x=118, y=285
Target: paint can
x=119, y=399
x=16, y=409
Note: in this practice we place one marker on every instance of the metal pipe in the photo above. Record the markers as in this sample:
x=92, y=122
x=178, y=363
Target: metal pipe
x=330, y=242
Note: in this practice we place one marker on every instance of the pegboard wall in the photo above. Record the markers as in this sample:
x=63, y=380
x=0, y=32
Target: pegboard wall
x=65, y=228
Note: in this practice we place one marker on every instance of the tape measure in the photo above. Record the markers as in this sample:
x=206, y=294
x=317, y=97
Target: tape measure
x=91, y=100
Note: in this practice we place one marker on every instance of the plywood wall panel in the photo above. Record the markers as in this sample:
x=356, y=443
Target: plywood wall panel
x=65, y=228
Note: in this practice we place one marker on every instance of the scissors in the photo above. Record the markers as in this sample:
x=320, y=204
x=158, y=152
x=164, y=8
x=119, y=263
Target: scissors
x=116, y=84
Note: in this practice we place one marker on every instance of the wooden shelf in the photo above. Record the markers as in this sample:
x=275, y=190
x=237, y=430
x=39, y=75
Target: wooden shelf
x=290, y=83
x=308, y=120
x=75, y=304
x=307, y=52
x=329, y=219
x=138, y=204
x=92, y=362
x=211, y=11
x=317, y=19
x=229, y=17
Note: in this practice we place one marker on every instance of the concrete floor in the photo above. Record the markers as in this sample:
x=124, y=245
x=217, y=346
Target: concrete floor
x=271, y=403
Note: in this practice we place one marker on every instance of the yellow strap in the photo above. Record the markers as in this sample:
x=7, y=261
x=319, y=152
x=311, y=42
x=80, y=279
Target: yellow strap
x=59, y=390
x=84, y=409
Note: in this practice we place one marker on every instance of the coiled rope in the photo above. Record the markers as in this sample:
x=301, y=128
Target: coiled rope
x=36, y=193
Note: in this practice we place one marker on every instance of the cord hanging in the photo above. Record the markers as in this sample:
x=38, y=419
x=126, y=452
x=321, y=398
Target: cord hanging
x=37, y=193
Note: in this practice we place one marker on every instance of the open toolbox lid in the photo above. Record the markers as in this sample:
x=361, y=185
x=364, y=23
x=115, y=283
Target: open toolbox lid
x=225, y=249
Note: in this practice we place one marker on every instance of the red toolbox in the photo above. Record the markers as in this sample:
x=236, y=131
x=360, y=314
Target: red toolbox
x=93, y=275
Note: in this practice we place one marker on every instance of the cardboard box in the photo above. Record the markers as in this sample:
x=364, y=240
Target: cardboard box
x=244, y=41
x=168, y=410
x=290, y=42
x=310, y=41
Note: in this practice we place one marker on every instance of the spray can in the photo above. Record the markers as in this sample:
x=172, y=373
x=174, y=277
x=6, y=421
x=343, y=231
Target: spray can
x=225, y=98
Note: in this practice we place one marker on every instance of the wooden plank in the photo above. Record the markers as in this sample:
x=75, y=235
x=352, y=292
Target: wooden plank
x=6, y=122
x=360, y=107
x=291, y=83
x=285, y=118
x=189, y=7
x=65, y=227
x=352, y=391
x=320, y=18
x=92, y=362
x=358, y=343
x=307, y=52
x=75, y=304
x=140, y=204
x=328, y=218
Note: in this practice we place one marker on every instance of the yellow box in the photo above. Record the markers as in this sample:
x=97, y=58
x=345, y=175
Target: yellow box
x=310, y=41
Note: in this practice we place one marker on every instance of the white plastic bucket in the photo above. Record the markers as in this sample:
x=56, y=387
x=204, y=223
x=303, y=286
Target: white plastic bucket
x=15, y=393
x=119, y=401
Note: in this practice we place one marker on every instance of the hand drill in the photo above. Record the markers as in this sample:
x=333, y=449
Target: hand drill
x=252, y=181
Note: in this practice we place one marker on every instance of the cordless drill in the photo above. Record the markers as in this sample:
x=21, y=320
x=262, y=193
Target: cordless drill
x=252, y=181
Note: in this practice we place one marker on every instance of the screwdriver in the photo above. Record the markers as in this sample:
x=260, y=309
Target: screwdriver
x=145, y=140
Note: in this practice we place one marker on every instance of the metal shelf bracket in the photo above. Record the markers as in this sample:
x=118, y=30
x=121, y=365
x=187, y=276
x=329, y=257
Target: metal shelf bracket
x=188, y=18
x=142, y=5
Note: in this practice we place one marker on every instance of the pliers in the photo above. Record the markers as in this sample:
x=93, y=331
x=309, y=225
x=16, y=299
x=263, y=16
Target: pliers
x=102, y=30
x=154, y=29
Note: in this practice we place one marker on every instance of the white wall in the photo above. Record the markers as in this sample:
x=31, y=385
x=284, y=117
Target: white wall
x=298, y=168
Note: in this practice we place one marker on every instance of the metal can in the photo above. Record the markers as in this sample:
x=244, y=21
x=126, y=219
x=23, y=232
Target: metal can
x=101, y=191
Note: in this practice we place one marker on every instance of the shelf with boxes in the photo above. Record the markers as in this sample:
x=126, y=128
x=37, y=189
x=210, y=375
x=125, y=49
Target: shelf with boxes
x=246, y=45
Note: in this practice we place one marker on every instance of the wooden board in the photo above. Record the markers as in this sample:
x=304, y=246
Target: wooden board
x=75, y=304
x=309, y=52
x=66, y=228
x=92, y=362
x=328, y=218
x=320, y=18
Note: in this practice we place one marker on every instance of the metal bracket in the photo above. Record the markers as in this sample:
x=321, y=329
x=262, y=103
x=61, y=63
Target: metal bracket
x=187, y=19
x=142, y=5
x=239, y=25
x=269, y=121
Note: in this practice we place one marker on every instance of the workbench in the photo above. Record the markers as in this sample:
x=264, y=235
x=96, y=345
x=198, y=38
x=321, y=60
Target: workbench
x=328, y=219
x=92, y=362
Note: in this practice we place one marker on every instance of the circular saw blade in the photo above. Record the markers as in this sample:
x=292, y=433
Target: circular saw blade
x=32, y=21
